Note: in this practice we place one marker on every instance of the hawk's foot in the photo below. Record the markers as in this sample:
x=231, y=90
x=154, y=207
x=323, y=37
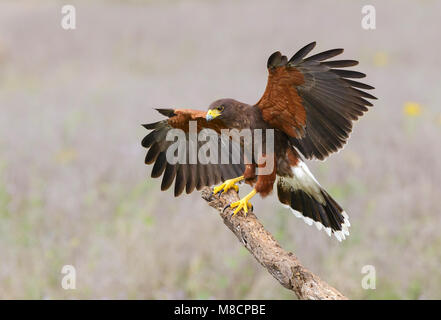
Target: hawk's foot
x=227, y=185
x=243, y=203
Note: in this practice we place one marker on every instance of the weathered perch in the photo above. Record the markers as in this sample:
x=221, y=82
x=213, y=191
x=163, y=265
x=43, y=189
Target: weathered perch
x=281, y=264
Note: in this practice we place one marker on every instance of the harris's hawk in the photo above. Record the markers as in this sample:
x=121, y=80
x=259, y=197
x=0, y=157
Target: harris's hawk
x=310, y=103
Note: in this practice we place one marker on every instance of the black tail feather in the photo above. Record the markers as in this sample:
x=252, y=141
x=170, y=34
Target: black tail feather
x=327, y=214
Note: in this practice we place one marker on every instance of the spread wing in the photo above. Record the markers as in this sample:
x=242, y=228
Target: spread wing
x=189, y=175
x=313, y=101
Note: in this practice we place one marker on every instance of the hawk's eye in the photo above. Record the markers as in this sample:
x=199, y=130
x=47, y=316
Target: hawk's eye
x=220, y=108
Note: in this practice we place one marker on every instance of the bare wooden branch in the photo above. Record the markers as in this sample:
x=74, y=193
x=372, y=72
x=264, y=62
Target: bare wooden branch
x=281, y=264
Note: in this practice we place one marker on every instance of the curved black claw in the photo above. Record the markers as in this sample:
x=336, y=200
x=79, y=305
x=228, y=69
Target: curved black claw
x=218, y=193
x=227, y=206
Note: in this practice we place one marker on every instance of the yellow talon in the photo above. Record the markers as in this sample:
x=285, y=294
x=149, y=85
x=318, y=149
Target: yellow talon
x=243, y=203
x=228, y=184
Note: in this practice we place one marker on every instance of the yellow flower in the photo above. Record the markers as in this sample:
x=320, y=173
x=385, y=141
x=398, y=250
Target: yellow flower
x=74, y=242
x=381, y=59
x=412, y=109
x=65, y=156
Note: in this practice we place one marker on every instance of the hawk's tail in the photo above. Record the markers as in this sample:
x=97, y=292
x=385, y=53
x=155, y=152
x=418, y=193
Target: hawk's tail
x=308, y=200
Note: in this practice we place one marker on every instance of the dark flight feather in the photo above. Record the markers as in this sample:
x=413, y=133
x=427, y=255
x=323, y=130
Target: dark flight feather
x=187, y=177
x=332, y=102
x=168, y=177
x=159, y=166
x=324, y=55
x=303, y=52
x=340, y=63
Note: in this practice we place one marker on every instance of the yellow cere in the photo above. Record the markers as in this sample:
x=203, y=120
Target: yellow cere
x=212, y=114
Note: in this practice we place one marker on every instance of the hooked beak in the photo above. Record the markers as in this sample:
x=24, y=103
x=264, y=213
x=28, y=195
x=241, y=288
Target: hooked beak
x=212, y=114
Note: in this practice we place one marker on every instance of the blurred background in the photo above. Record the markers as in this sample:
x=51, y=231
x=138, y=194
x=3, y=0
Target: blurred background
x=74, y=189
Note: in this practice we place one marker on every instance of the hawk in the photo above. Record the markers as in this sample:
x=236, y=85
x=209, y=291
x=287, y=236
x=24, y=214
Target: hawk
x=309, y=102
